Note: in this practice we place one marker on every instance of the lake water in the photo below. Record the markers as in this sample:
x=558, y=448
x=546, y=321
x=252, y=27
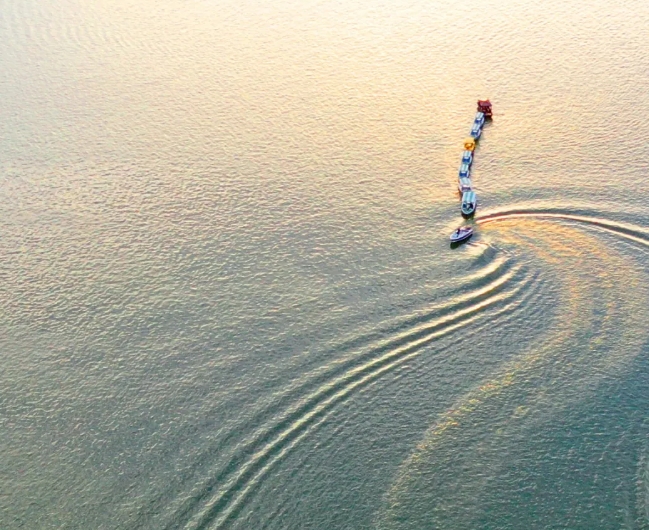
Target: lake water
x=227, y=295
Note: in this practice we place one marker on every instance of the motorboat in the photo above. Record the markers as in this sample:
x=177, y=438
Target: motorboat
x=464, y=184
x=476, y=131
x=469, y=202
x=465, y=171
x=479, y=118
x=467, y=157
x=461, y=234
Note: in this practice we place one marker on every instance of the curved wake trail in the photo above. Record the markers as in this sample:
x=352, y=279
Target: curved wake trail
x=628, y=231
x=301, y=408
x=457, y=462
x=503, y=318
x=228, y=505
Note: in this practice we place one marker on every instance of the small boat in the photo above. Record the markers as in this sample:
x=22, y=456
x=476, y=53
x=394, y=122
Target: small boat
x=484, y=106
x=469, y=202
x=465, y=171
x=476, y=131
x=464, y=184
x=469, y=144
x=461, y=234
x=479, y=118
x=467, y=157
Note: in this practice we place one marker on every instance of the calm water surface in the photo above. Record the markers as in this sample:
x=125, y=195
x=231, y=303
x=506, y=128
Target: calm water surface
x=227, y=298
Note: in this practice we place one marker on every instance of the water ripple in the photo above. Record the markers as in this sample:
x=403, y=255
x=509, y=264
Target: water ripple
x=256, y=456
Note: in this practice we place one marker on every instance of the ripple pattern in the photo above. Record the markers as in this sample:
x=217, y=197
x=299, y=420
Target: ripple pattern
x=496, y=290
x=528, y=392
x=228, y=300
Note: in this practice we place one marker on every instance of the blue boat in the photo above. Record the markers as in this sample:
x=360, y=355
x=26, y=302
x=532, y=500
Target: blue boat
x=467, y=157
x=464, y=184
x=476, y=131
x=461, y=234
x=465, y=171
x=469, y=202
x=479, y=118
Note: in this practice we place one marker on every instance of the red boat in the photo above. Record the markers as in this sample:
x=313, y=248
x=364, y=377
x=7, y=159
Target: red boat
x=484, y=106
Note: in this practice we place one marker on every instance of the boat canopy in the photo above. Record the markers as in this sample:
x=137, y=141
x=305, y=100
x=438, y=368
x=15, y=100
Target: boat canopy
x=464, y=184
x=468, y=199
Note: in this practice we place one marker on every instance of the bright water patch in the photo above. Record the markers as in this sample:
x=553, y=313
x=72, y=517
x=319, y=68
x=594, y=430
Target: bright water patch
x=228, y=298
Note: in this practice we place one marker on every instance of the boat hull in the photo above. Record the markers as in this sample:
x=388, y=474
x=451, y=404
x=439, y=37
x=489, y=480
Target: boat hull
x=461, y=236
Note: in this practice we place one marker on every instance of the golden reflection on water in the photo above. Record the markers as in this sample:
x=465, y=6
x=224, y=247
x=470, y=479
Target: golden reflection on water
x=190, y=135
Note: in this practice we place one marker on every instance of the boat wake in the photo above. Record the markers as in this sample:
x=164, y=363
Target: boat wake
x=490, y=296
x=628, y=231
x=534, y=291
x=597, y=332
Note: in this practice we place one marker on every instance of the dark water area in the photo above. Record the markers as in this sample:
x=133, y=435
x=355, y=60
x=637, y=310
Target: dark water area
x=227, y=294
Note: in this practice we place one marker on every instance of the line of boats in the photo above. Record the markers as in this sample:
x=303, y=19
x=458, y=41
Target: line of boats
x=469, y=201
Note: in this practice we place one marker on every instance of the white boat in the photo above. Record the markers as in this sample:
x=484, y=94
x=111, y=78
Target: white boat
x=465, y=171
x=469, y=202
x=467, y=157
x=464, y=184
x=461, y=234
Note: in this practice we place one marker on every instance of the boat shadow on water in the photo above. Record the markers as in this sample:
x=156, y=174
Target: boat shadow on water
x=456, y=244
